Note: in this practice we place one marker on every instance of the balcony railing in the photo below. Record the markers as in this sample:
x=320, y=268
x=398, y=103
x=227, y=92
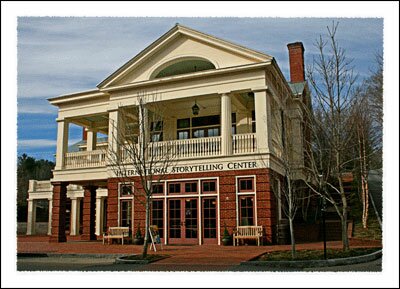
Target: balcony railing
x=85, y=159
x=244, y=143
x=176, y=149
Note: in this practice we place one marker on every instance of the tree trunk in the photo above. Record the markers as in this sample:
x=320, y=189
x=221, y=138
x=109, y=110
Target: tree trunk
x=147, y=226
x=345, y=239
x=292, y=240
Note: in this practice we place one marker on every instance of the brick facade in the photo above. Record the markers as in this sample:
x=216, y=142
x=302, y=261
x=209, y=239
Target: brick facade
x=265, y=199
x=89, y=211
x=58, y=212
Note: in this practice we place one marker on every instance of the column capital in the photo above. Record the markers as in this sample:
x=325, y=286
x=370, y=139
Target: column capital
x=224, y=93
x=260, y=88
x=89, y=187
x=59, y=183
x=61, y=119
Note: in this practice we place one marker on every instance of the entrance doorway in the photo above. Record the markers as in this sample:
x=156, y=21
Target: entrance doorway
x=183, y=221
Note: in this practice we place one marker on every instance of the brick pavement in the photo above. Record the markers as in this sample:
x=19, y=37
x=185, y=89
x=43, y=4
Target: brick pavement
x=212, y=255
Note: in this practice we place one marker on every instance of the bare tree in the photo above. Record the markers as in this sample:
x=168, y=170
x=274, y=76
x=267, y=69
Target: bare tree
x=332, y=80
x=135, y=145
x=287, y=147
x=368, y=119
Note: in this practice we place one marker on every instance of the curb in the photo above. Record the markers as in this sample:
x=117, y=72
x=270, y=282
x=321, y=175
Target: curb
x=65, y=255
x=316, y=263
x=121, y=260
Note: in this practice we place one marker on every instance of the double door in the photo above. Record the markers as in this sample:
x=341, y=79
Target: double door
x=183, y=221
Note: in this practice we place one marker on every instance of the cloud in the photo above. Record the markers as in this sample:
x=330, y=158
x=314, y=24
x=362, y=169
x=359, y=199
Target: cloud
x=36, y=143
x=41, y=143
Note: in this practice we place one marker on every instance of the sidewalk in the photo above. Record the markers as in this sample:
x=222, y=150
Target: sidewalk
x=182, y=255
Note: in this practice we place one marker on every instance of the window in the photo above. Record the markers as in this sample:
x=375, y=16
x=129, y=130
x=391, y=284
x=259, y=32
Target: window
x=191, y=187
x=174, y=188
x=233, y=123
x=253, y=121
x=157, y=215
x=157, y=189
x=156, y=131
x=125, y=190
x=183, y=128
x=246, y=211
x=126, y=213
x=246, y=185
x=125, y=205
x=198, y=127
x=209, y=186
x=210, y=218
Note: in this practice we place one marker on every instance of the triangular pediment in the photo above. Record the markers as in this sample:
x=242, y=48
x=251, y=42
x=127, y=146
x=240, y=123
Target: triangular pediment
x=178, y=48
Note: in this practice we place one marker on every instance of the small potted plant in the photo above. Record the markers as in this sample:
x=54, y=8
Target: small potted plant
x=138, y=240
x=226, y=238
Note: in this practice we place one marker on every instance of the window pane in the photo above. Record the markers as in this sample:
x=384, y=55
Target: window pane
x=158, y=189
x=126, y=211
x=246, y=211
x=174, y=188
x=209, y=186
x=183, y=123
x=246, y=185
x=190, y=187
x=213, y=131
x=198, y=133
x=126, y=190
x=157, y=216
x=205, y=120
x=183, y=134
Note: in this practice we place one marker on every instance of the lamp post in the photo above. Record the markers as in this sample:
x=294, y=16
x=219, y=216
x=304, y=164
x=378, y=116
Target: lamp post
x=323, y=209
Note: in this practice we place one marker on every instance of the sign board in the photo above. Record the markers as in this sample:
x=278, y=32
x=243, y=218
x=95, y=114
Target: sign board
x=155, y=237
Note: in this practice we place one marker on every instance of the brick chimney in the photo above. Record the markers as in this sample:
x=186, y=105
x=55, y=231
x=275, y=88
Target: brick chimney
x=84, y=133
x=296, y=61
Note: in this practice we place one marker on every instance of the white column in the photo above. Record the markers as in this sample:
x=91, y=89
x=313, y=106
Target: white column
x=91, y=140
x=31, y=224
x=75, y=216
x=113, y=136
x=263, y=120
x=62, y=143
x=50, y=216
x=99, y=215
x=226, y=124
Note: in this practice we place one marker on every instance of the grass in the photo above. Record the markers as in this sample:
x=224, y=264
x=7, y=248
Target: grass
x=372, y=232
x=315, y=254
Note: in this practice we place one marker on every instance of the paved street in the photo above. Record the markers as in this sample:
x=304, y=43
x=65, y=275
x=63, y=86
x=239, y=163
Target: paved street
x=107, y=264
x=94, y=256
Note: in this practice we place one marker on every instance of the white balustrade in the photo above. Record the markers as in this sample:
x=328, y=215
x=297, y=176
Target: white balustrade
x=176, y=149
x=85, y=159
x=244, y=143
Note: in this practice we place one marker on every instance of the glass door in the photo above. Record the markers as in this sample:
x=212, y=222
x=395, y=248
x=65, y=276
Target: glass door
x=182, y=221
x=210, y=221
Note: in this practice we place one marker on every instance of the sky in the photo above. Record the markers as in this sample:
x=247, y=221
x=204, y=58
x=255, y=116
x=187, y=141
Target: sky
x=61, y=55
x=53, y=48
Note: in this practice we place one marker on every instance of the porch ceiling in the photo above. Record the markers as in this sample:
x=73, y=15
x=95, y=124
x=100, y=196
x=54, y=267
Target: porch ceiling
x=97, y=122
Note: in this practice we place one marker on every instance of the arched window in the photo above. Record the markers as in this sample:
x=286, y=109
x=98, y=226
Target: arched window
x=183, y=67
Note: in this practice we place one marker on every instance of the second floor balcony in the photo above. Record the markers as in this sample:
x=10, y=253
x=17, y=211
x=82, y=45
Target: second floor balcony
x=224, y=127
x=176, y=149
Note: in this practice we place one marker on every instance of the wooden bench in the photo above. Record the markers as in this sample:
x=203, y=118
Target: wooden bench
x=116, y=233
x=247, y=232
